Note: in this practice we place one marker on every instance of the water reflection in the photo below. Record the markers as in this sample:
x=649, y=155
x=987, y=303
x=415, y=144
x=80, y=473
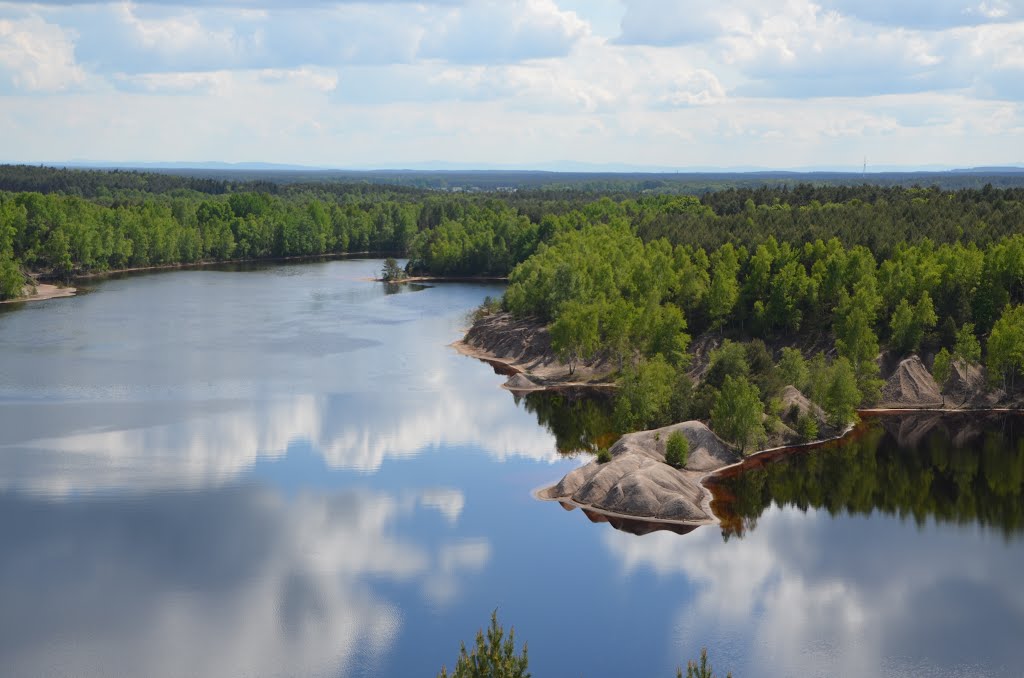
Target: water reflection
x=579, y=419
x=806, y=594
x=959, y=468
x=236, y=581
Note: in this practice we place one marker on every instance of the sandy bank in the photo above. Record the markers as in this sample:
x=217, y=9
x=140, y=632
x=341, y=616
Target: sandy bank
x=42, y=292
x=638, y=484
x=444, y=278
x=639, y=490
x=523, y=346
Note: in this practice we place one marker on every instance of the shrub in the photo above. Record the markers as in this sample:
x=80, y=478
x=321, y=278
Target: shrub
x=604, y=455
x=391, y=271
x=677, y=450
x=699, y=670
x=493, y=657
x=807, y=427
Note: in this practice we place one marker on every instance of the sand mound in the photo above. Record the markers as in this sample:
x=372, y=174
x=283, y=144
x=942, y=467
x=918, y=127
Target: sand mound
x=792, y=397
x=966, y=382
x=911, y=386
x=525, y=344
x=508, y=337
x=521, y=382
x=638, y=482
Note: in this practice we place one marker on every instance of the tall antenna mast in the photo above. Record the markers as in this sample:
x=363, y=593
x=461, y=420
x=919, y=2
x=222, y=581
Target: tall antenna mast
x=865, y=171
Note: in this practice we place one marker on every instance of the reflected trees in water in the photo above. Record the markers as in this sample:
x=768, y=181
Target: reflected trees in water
x=962, y=469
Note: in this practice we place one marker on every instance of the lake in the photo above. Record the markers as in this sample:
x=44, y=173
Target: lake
x=286, y=470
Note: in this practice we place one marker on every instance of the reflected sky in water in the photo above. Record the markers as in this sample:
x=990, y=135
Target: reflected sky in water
x=287, y=471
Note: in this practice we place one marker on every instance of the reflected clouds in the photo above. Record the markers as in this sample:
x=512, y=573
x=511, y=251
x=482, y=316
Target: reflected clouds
x=234, y=581
x=202, y=450
x=264, y=363
x=814, y=596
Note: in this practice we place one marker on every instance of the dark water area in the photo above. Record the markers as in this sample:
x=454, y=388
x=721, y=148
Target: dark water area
x=286, y=470
x=958, y=468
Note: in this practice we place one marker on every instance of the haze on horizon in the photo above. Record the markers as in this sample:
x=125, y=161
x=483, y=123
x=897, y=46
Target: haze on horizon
x=515, y=83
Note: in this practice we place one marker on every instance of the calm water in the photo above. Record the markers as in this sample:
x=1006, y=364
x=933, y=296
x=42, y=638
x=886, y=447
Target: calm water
x=287, y=471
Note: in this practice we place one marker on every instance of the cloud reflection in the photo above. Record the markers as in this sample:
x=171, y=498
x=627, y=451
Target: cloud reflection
x=195, y=448
x=234, y=581
x=813, y=596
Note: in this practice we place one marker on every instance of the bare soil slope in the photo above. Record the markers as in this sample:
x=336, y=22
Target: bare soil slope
x=638, y=482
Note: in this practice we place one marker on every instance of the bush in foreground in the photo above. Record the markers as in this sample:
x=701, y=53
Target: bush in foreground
x=699, y=670
x=494, y=656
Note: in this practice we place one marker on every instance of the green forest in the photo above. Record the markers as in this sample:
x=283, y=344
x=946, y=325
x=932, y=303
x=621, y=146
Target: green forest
x=806, y=283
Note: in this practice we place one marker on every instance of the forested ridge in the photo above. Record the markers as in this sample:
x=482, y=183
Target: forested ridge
x=65, y=222
x=629, y=277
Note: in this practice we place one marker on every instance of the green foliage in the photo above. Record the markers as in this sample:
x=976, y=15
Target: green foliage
x=701, y=669
x=941, y=366
x=728, y=360
x=724, y=291
x=855, y=339
x=1006, y=346
x=967, y=345
x=604, y=455
x=910, y=323
x=494, y=656
x=644, y=395
x=391, y=271
x=677, y=449
x=574, y=334
x=807, y=427
x=762, y=370
x=793, y=369
x=841, y=395
x=11, y=279
x=738, y=413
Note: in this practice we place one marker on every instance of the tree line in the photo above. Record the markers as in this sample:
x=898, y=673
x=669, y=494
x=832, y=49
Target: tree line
x=607, y=294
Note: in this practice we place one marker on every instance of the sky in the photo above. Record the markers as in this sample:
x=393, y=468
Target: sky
x=552, y=84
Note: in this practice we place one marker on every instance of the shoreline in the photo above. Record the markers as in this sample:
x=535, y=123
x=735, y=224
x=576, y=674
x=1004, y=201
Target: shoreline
x=753, y=460
x=509, y=367
x=227, y=262
x=44, y=292
x=515, y=347
x=444, y=278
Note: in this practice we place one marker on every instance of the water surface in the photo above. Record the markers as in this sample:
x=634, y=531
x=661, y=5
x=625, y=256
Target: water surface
x=287, y=471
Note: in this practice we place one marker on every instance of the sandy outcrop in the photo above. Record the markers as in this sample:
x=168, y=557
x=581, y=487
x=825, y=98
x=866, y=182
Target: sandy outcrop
x=792, y=398
x=637, y=481
x=41, y=292
x=911, y=386
x=524, y=345
x=966, y=386
x=521, y=383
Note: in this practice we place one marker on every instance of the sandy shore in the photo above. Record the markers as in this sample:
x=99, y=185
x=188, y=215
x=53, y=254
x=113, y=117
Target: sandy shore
x=547, y=377
x=43, y=291
x=444, y=278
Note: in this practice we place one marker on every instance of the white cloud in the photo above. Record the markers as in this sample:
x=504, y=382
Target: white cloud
x=503, y=31
x=37, y=56
x=930, y=14
x=777, y=83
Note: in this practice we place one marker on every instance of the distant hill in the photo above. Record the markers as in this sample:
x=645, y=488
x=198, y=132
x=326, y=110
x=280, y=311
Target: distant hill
x=200, y=176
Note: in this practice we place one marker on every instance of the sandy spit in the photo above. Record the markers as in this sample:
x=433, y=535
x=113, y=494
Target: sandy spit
x=43, y=291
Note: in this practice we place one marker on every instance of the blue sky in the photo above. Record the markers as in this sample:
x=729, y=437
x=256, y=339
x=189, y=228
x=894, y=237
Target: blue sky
x=646, y=83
